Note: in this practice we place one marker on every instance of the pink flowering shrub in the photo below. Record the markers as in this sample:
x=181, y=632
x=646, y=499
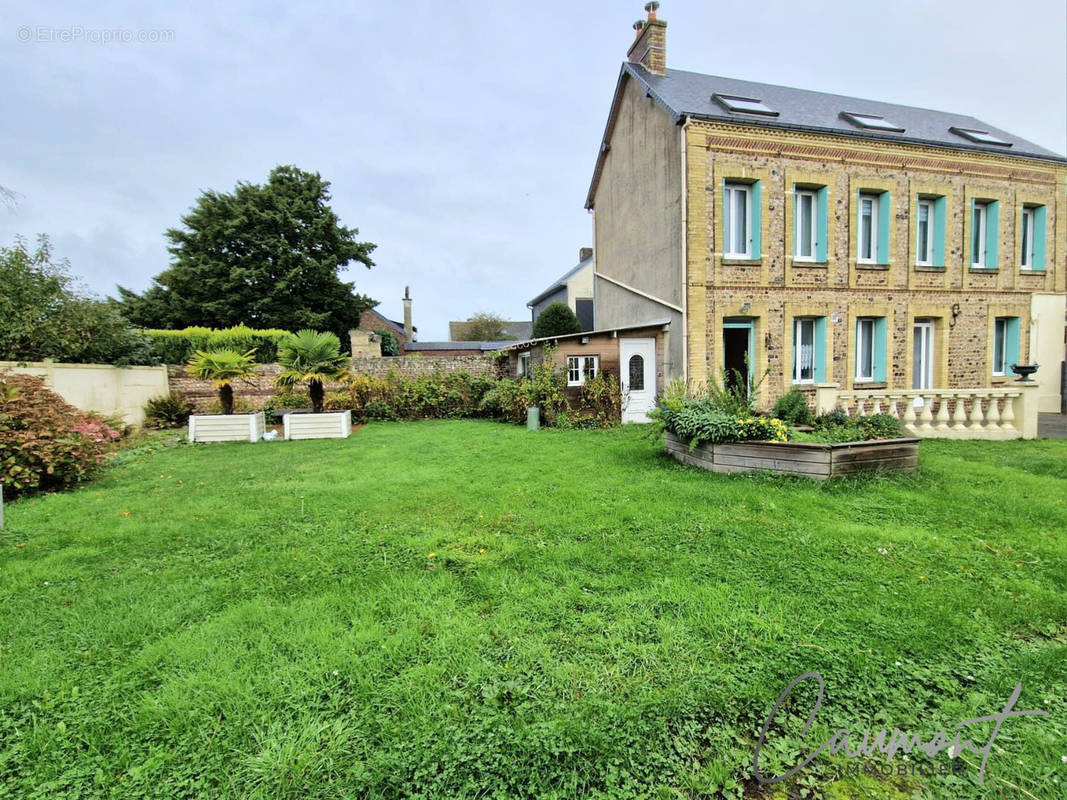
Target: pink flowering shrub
x=46, y=444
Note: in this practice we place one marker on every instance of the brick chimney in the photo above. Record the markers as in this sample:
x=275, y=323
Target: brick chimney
x=409, y=331
x=650, y=47
x=585, y=253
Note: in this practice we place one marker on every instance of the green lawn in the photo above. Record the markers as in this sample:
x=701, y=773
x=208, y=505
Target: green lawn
x=466, y=609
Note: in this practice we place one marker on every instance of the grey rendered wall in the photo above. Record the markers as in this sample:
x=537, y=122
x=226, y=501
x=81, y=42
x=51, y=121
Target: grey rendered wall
x=638, y=215
x=635, y=309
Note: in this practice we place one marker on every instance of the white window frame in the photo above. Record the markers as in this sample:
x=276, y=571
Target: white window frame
x=523, y=368
x=874, y=199
x=798, y=361
x=924, y=259
x=581, y=368
x=812, y=239
x=1000, y=350
x=924, y=331
x=731, y=223
x=1027, y=231
x=865, y=333
x=979, y=226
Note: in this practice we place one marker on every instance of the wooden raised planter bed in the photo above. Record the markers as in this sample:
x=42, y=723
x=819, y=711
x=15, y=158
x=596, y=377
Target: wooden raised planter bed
x=226, y=427
x=813, y=460
x=331, y=425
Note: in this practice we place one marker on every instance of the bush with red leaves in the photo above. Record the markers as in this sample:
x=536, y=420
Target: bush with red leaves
x=46, y=444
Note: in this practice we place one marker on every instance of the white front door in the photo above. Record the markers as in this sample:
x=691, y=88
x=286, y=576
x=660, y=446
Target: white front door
x=637, y=367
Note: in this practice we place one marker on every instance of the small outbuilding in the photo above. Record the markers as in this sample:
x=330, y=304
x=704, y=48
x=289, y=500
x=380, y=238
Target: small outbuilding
x=636, y=354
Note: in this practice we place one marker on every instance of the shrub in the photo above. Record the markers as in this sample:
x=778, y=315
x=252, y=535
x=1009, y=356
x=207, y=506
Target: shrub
x=390, y=346
x=831, y=419
x=792, y=408
x=178, y=346
x=880, y=426
x=836, y=426
x=46, y=444
x=556, y=320
x=505, y=400
x=599, y=400
x=169, y=411
x=702, y=421
x=222, y=367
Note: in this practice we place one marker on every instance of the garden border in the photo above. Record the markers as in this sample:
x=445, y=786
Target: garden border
x=816, y=460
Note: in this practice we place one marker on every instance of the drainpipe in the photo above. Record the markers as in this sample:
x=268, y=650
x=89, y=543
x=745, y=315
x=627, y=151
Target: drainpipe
x=685, y=255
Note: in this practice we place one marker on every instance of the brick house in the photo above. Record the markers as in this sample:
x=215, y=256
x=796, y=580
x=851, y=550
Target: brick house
x=820, y=240
x=373, y=319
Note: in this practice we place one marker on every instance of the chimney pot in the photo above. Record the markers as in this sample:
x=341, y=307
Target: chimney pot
x=638, y=26
x=651, y=9
x=650, y=45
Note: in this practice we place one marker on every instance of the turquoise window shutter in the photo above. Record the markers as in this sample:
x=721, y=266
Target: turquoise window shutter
x=822, y=231
x=940, y=209
x=820, y=349
x=992, y=234
x=1011, y=343
x=1040, y=220
x=881, y=345
x=883, y=228
x=757, y=217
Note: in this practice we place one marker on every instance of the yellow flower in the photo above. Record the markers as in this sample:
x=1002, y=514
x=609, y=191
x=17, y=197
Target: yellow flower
x=431, y=554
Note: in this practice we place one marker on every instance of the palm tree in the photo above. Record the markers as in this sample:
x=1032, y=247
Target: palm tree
x=313, y=358
x=222, y=367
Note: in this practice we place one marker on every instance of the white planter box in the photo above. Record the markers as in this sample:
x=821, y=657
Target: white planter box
x=331, y=425
x=226, y=427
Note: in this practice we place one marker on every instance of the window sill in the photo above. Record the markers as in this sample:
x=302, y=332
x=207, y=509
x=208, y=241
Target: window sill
x=811, y=264
x=1028, y=271
x=996, y=379
x=983, y=270
x=862, y=384
x=929, y=268
x=734, y=261
x=876, y=267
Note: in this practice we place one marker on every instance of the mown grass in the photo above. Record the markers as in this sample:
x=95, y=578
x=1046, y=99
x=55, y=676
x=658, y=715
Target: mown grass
x=464, y=609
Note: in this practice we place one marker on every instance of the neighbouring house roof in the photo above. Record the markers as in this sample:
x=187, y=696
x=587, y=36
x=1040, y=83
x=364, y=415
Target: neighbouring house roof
x=712, y=97
x=652, y=323
x=513, y=329
x=477, y=347
x=392, y=323
x=560, y=282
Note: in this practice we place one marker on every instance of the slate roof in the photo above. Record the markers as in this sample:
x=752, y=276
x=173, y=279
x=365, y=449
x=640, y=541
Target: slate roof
x=480, y=347
x=652, y=323
x=689, y=94
x=561, y=281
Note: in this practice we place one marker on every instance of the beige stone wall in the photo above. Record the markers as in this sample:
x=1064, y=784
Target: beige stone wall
x=107, y=390
x=776, y=288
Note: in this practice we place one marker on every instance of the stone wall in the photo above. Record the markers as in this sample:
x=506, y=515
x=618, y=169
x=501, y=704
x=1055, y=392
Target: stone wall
x=772, y=289
x=258, y=390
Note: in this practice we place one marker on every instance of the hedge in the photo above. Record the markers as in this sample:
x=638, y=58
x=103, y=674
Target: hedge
x=176, y=347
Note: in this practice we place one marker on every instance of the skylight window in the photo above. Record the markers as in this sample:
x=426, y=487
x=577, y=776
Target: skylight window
x=871, y=122
x=744, y=105
x=982, y=137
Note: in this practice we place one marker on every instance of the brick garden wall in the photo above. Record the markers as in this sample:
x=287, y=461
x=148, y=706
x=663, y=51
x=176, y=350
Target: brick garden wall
x=260, y=389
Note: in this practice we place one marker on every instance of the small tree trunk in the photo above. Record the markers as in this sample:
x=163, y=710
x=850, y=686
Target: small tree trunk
x=316, y=392
x=226, y=398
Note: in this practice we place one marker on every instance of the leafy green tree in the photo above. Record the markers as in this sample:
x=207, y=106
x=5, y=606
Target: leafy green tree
x=483, y=327
x=313, y=358
x=556, y=320
x=390, y=346
x=223, y=367
x=267, y=256
x=44, y=314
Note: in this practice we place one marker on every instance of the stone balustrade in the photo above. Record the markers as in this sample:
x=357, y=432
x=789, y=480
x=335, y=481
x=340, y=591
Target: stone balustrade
x=1007, y=412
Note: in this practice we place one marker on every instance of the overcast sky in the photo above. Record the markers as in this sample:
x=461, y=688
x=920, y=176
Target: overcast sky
x=459, y=136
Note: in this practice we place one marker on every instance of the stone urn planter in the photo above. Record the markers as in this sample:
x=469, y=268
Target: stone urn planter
x=329, y=425
x=813, y=460
x=226, y=427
